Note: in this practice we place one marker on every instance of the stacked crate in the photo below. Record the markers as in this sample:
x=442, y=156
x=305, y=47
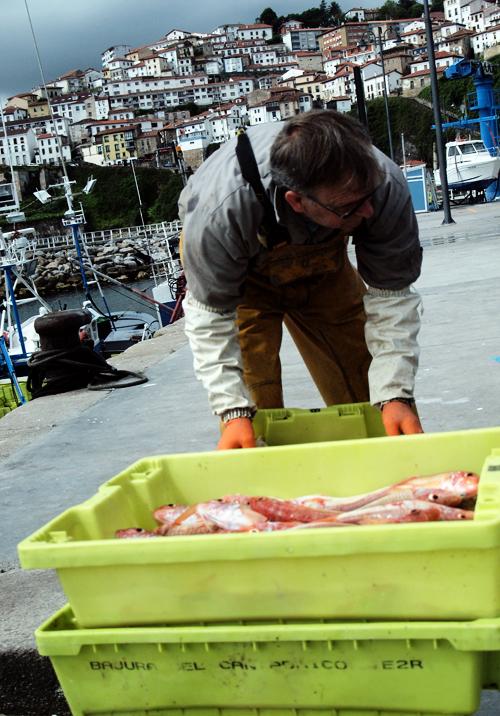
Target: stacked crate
x=385, y=620
x=8, y=397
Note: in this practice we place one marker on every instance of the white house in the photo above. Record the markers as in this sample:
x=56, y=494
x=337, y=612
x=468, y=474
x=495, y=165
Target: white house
x=112, y=52
x=265, y=57
x=92, y=153
x=214, y=66
x=121, y=113
x=155, y=65
x=19, y=146
x=258, y=31
x=480, y=41
x=415, y=26
x=221, y=128
x=415, y=37
x=155, y=84
x=343, y=82
x=302, y=39
x=443, y=60
x=100, y=106
x=176, y=35
x=185, y=66
x=491, y=16
x=340, y=104
x=261, y=114
x=71, y=107
x=49, y=148
x=12, y=113
x=235, y=64
x=169, y=54
x=374, y=85
x=412, y=84
x=229, y=30
x=43, y=125
x=356, y=14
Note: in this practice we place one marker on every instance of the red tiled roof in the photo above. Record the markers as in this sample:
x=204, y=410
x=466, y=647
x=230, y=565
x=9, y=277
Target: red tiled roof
x=255, y=26
x=439, y=70
x=126, y=128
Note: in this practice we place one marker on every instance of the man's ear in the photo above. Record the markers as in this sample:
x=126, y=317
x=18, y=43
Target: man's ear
x=295, y=200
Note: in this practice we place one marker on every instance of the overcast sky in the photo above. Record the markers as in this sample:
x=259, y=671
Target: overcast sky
x=71, y=34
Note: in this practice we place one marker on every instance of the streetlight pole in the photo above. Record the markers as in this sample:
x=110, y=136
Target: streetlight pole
x=386, y=101
x=437, y=116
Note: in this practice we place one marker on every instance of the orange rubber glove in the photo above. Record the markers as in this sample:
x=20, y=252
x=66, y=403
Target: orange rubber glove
x=400, y=419
x=237, y=433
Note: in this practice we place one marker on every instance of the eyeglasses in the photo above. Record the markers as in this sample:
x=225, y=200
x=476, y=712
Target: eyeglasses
x=343, y=214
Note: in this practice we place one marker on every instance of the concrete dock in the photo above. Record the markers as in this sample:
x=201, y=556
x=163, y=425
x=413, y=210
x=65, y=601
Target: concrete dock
x=57, y=450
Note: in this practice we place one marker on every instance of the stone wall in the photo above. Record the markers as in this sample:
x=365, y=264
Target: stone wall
x=58, y=270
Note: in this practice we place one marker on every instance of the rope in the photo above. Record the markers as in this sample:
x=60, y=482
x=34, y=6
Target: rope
x=58, y=371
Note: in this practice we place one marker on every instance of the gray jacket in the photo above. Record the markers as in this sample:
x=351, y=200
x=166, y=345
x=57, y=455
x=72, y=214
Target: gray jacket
x=221, y=217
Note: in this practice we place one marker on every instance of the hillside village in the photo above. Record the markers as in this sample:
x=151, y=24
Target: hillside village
x=165, y=102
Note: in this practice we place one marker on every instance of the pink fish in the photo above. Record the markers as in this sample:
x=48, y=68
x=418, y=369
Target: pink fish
x=401, y=511
x=448, y=488
x=134, y=533
x=278, y=510
x=230, y=516
x=167, y=514
x=189, y=522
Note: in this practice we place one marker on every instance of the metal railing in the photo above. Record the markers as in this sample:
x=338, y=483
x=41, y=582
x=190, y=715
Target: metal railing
x=163, y=231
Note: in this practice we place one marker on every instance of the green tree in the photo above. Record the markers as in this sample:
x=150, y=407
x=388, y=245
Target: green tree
x=390, y=10
x=310, y=18
x=324, y=14
x=335, y=14
x=416, y=9
x=165, y=206
x=269, y=17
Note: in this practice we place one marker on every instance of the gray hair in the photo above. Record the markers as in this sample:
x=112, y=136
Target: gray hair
x=324, y=147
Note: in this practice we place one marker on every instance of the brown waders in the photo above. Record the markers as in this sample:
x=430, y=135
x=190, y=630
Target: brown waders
x=318, y=294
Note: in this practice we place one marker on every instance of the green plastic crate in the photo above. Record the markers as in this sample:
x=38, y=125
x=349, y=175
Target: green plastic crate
x=357, y=668
x=339, y=422
x=441, y=570
x=8, y=400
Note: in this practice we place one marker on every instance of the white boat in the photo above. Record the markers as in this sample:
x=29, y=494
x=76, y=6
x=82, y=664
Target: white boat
x=469, y=165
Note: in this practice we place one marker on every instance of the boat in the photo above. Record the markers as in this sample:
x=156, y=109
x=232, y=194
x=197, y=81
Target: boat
x=110, y=332
x=469, y=166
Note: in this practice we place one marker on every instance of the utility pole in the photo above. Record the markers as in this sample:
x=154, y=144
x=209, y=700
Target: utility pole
x=437, y=116
x=386, y=101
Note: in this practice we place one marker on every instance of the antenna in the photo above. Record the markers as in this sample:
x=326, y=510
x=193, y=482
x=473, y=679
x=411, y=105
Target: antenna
x=42, y=195
x=89, y=185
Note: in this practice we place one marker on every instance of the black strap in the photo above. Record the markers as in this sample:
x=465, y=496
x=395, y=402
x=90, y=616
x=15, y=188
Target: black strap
x=274, y=233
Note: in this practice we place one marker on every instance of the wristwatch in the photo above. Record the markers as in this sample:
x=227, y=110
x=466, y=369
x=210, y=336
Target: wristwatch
x=407, y=401
x=234, y=413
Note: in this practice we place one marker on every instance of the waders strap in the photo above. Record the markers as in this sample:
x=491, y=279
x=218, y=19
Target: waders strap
x=274, y=233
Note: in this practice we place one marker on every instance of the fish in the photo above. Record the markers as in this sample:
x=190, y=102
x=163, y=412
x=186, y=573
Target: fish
x=278, y=510
x=447, y=488
x=230, y=516
x=134, y=533
x=402, y=511
x=189, y=522
x=167, y=514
